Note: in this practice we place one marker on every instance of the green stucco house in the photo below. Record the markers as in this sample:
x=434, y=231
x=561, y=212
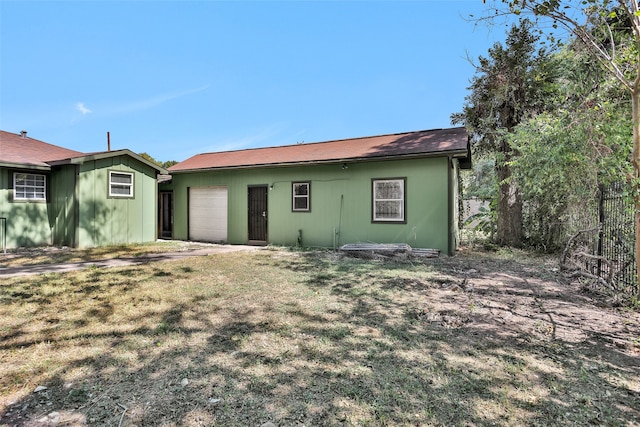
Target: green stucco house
x=399, y=188
x=50, y=195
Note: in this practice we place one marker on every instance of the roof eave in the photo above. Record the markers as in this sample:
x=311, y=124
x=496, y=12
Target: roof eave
x=13, y=165
x=458, y=153
x=106, y=155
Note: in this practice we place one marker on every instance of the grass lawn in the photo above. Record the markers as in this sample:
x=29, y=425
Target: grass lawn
x=55, y=255
x=313, y=338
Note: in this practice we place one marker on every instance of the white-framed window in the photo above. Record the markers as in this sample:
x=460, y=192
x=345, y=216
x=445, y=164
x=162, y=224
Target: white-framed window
x=29, y=186
x=120, y=184
x=301, y=196
x=389, y=202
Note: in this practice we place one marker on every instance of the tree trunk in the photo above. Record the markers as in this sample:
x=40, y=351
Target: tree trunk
x=509, y=209
x=635, y=160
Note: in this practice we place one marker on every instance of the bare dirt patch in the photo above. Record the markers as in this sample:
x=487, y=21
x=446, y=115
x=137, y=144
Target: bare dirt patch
x=315, y=338
x=529, y=297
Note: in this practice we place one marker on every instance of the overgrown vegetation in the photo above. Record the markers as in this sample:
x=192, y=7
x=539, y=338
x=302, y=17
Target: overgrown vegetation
x=573, y=133
x=568, y=153
x=314, y=338
x=511, y=84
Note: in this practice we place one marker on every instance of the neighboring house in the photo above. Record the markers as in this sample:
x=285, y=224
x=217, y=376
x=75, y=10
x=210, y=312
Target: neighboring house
x=399, y=188
x=50, y=195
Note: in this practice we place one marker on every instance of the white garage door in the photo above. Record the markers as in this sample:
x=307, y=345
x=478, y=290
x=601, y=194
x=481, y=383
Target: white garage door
x=208, y=214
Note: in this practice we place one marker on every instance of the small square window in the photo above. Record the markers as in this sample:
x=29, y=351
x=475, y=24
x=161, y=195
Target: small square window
x=29, y=186
x=120, y=184
x=388, y=200
x=301, y=196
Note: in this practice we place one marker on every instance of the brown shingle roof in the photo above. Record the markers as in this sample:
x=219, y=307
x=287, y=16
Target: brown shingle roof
x=19, y=150
x=409, y=144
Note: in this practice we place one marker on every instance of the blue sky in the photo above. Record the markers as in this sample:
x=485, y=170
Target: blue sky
x=177, y=78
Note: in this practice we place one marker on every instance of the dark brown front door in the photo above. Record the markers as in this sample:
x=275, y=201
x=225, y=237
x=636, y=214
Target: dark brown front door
x=258, y=215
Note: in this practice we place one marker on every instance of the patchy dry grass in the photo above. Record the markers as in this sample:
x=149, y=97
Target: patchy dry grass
x=312, y=338
x=56, y=255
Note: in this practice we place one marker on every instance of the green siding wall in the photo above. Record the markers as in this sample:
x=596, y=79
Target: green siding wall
x=105, y=220
x=27, y=222
x=78, y=211
x=340, y=203
x=62, y=208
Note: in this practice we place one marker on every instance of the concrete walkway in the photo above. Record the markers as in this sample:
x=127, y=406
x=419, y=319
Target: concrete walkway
x=27, y=270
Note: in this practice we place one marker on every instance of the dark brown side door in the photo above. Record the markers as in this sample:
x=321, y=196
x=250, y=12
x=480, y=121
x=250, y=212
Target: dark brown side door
x=165, y=215
x=258, y=215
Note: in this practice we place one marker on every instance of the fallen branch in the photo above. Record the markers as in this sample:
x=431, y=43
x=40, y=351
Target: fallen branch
x=582, y=273
x=591, y=256
x=599, y=258
x=123, y=412
x=570, y=241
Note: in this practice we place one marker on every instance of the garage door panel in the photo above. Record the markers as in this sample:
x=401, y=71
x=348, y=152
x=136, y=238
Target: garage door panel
x=208, y=214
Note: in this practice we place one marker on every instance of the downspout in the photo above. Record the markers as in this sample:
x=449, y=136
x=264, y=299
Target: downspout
x=75, y=209
x=340, y=219
x=450, y=200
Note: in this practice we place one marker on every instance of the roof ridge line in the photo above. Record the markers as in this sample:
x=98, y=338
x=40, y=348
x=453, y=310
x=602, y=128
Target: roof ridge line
x=325, y=142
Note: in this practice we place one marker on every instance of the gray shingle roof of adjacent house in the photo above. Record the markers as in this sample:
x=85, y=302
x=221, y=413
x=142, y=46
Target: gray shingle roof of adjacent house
x=423, y=143
x=20, y=149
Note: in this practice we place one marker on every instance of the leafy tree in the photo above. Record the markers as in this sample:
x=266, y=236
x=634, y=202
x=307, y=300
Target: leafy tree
x=565, y=153
x=148, y=156
x=169, y=163
x=509, y=86
x=600, y=26
x=480, y=183
x=165, y=165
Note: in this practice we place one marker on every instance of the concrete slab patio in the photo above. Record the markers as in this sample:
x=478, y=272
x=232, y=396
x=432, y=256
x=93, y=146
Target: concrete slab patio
x=27, y=270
